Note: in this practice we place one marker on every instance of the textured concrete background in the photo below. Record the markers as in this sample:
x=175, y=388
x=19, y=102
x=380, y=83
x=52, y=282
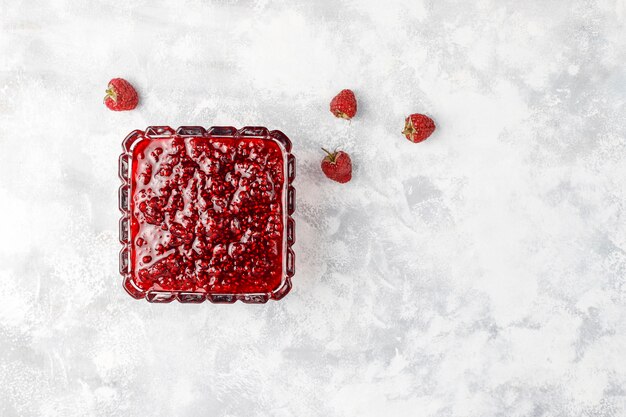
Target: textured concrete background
x=481, y=273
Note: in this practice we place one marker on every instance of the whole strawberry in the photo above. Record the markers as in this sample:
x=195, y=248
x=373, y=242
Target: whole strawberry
x=337, y=166
x=418, y=127
x=120, y=95
x=344, y=104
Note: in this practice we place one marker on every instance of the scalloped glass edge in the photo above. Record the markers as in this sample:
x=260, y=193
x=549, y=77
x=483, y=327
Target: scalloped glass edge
x=155, y=296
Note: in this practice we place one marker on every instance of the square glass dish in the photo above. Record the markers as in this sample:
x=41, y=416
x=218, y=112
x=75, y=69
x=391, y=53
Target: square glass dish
x=206, y=214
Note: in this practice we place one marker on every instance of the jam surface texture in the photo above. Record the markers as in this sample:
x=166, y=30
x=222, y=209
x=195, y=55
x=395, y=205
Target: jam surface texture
x=206, y=215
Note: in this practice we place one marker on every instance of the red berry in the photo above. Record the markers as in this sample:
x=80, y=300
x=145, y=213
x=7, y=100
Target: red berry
x=337, y=166
x=120, y=95
x=344, y=104
x=418, y=127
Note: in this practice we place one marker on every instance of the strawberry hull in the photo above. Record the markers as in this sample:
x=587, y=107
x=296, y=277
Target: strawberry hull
x=206, y=214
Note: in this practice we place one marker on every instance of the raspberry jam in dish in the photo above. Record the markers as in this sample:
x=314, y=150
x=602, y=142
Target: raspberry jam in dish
x=206, y=214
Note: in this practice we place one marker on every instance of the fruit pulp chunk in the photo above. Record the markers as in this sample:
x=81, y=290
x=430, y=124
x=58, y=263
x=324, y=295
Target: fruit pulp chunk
x=207, y=215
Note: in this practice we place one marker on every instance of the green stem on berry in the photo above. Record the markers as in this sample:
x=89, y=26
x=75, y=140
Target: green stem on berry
x=110, y=93
x=409, y=129
x=331, y=155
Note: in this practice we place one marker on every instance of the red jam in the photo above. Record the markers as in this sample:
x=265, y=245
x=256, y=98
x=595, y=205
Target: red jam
x=207, y=215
